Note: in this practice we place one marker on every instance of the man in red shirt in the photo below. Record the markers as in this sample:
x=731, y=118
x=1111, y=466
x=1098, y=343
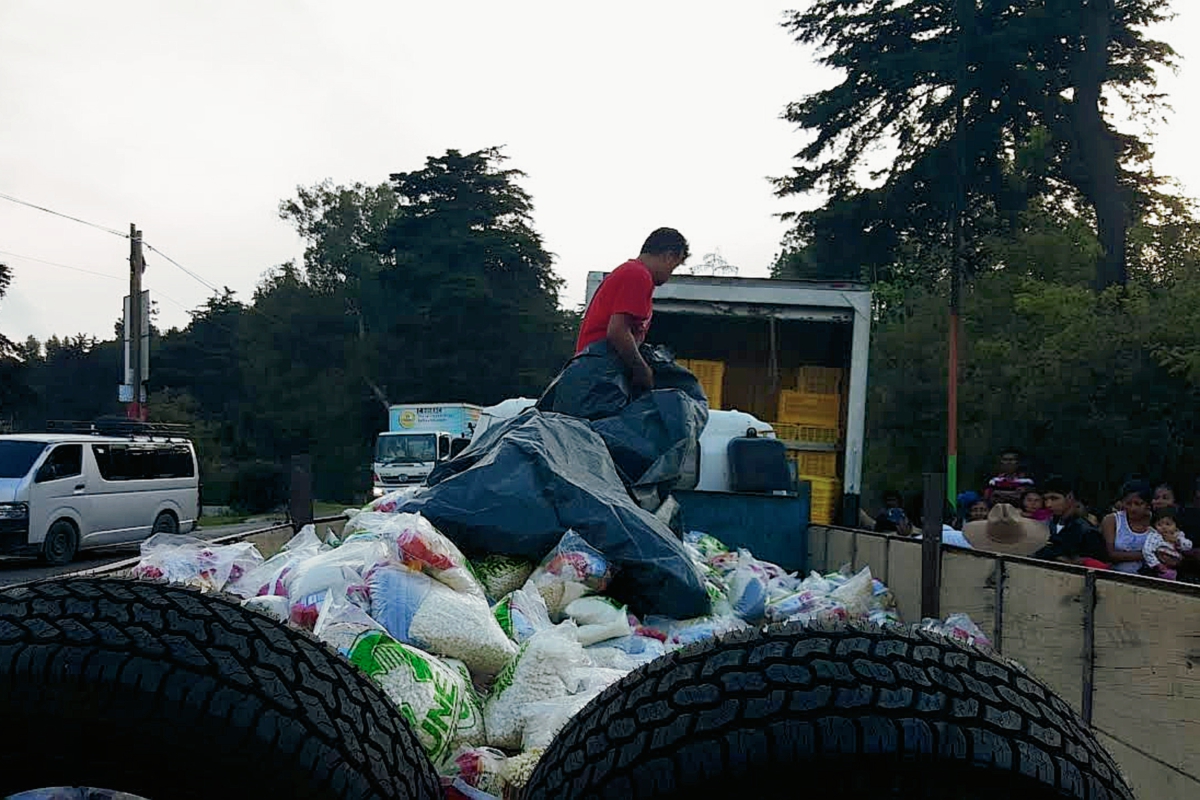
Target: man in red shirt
x=620, y=310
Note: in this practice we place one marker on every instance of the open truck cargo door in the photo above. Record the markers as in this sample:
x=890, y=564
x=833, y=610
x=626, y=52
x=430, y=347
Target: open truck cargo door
x=791, y=352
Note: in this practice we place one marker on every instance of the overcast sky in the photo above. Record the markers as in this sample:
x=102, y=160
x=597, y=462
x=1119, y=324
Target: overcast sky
x=195, y=118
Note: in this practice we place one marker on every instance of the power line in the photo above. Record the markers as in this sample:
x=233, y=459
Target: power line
x=157, y=293
x=62, y=266
x=104, y=228
x=196, y=277
x=250, y=308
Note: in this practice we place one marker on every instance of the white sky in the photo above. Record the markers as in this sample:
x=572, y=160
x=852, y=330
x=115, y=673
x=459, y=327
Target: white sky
x=194, y=118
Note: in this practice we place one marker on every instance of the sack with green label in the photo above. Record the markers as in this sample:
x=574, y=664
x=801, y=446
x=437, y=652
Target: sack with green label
x=435, y=698
x=521, y=614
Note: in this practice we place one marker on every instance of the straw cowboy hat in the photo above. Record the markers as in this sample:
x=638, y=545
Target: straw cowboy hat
x=1006, y=531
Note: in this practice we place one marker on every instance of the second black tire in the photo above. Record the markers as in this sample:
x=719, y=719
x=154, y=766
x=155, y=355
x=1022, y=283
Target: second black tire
x=164, y=692
x=61, y=543
x=852, y=713
x=165, y=523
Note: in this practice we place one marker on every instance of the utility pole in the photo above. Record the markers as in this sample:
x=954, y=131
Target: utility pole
x=964, y=11
x=135, y=410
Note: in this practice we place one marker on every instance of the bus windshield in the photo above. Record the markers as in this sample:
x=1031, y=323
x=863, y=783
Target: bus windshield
x=407, y=448
x=17, y=457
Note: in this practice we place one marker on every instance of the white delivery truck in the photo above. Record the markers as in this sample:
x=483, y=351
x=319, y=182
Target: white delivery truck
x=417, y=438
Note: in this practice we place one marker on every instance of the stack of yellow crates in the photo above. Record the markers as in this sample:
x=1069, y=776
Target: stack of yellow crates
x=826, y=495
x=711, y=375
x=822, y=464
x=811, y=413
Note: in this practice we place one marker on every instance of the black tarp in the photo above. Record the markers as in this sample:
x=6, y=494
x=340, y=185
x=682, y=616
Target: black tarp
x=654, y=436
x=522, y=483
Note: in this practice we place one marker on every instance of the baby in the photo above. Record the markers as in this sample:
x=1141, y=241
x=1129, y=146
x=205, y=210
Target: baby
x=1165, y=541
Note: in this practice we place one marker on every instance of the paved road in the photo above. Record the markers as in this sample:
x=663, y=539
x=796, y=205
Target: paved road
x=20, y=570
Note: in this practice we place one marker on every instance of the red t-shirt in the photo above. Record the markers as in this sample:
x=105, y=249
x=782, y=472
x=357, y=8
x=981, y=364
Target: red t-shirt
x=629, y=289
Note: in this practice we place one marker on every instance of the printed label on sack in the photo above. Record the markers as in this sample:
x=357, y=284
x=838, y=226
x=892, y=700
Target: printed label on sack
x=378, y=655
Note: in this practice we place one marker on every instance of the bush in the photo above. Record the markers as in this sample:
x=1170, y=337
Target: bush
x=258, y=487
x=216, y=486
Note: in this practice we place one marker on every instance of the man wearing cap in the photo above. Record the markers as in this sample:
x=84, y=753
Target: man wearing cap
x=1073, y=540
x=1008, y=532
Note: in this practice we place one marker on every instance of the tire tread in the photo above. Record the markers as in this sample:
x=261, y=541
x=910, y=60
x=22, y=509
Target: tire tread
x=804, y=698
x=132, y=657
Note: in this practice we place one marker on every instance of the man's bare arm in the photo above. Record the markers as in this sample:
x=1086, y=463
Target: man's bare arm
x=620, y=338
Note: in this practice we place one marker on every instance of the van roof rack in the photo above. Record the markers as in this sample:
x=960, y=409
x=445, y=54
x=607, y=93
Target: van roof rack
x=119, y=427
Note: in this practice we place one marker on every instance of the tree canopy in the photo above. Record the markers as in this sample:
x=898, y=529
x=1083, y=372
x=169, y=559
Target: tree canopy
x=1028, y=84
x=1096, y=385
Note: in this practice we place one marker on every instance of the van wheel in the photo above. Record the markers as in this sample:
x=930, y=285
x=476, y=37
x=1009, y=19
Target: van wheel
x=159, y=691
x=61, y=543
x=875, y=713
x=165, y=523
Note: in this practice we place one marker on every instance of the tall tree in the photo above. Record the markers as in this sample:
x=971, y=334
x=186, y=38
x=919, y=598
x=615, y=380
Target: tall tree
x=1033, y=76
x=15, y=393
x=470, y=263
x=73, y=377
x=303, y=383
x=434, y=287
x=346, y=230
x=203, y=358
x=7, y=348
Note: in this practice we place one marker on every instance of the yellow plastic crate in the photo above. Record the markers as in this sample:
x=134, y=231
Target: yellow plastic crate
x=809, y=462
x=819, y=380
x=711, y=375
x=791, y=432
x=826, y=497
x=802, y=408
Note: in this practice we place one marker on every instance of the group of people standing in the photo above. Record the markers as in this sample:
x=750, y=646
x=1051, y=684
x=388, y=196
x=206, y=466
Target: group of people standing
x=1145, y=531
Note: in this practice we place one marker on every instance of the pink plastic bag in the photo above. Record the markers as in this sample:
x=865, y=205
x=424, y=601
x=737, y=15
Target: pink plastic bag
x=420, y=546
x=339, y=571
x=269, y=578
x=189, y=561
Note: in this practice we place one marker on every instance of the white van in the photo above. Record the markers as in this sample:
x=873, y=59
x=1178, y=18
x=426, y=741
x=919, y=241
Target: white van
x=65, y=492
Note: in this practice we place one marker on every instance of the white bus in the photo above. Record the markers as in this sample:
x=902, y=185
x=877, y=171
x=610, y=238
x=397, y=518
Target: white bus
x=65, y=492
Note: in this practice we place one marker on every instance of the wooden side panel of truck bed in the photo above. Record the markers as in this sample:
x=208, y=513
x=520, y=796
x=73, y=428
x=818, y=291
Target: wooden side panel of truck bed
x=1122, y=650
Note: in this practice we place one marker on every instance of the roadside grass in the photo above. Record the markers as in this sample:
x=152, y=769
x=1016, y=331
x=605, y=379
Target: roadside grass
x=321, y=508
x=224, y=519
x=324, y=509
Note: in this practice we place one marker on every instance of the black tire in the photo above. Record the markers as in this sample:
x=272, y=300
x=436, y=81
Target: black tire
x=61, y=543
x=854, y=712
x=165, y=523
x=165, y=692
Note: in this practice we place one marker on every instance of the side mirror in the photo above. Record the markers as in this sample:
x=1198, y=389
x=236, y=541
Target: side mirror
x=443, y=448
x=46, y=472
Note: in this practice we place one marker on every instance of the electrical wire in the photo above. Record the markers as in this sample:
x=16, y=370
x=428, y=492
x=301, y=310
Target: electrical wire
x=175, y=263
x=62, y=266
x=104, y=228
x=250, y=308
x=157, y=293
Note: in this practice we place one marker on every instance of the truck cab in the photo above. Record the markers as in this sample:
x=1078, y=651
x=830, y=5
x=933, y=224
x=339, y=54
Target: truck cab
x=403, y=458
x=418, y=438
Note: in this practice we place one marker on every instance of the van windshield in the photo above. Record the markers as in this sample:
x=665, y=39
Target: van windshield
x=17, y=457
x=409, y=448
